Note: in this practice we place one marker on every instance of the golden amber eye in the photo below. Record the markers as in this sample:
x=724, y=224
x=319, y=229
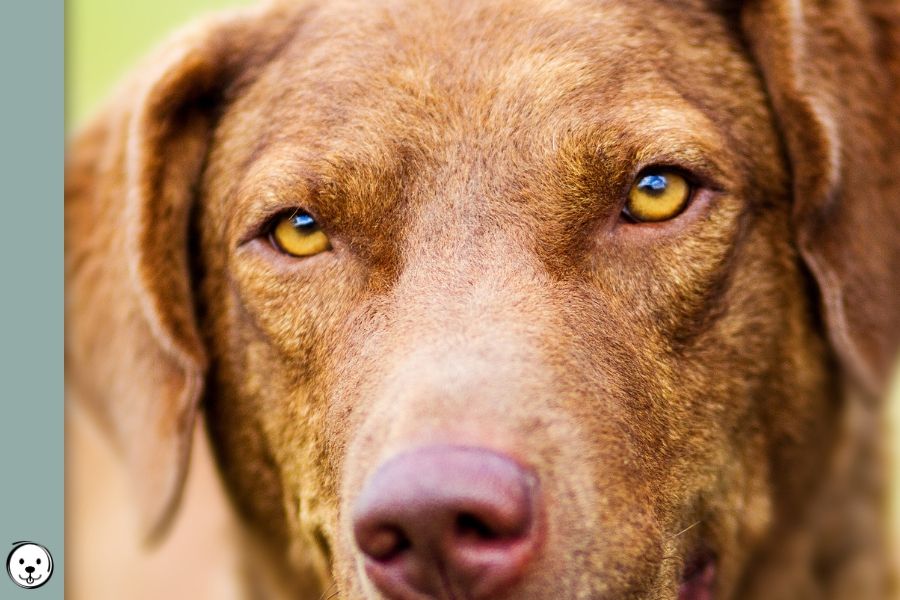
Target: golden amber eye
x=299, y=235
x=657, y=196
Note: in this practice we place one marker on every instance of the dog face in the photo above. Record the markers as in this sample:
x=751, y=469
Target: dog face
x=29, y=565
x=484, y=288
x=545, y=250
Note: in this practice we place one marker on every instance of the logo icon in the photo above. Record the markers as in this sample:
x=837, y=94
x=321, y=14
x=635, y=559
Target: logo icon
x=29, y=565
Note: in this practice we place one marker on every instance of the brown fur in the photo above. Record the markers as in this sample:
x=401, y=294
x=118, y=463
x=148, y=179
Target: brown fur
x=705, y=384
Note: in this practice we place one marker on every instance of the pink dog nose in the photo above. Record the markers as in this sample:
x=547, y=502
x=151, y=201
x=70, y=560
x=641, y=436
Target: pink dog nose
x=447, y=521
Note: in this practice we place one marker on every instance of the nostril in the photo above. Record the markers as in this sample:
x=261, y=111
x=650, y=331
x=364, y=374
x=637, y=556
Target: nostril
x=384, y=543
x=470, y=526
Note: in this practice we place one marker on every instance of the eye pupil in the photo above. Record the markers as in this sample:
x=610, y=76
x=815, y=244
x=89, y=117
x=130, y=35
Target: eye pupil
x=21, y=561
x=654, y=185
x=38, y=561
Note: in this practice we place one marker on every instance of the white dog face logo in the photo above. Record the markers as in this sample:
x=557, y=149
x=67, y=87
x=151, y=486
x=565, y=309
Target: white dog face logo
x=29, y=565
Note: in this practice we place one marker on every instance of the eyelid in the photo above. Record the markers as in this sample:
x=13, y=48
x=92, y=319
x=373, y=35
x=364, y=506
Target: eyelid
x=696, y=172
x=267, y=189
x=262, y=225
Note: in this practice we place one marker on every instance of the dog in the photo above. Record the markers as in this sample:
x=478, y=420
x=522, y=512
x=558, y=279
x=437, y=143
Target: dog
x=29, y=565
x=487, y=300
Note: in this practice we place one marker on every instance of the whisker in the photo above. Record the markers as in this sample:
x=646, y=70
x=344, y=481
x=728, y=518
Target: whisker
x=325, y=594
x=685, y=530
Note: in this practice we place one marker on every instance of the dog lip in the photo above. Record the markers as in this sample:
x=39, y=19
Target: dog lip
x=30, y=578
x=699, y=579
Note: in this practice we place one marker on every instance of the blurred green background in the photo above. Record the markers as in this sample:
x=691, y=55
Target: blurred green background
x=105, y=37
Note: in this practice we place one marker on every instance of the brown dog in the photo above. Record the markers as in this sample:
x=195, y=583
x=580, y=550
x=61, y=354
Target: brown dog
x=516, y=299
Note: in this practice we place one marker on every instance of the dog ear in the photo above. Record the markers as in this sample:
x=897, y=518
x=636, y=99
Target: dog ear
x=134, y=356
x=832, y=70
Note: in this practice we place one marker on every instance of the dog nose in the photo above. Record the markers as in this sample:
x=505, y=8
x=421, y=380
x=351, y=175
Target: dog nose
x=29, y=570
x=447, y=520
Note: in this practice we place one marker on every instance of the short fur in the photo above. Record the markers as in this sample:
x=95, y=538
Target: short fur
x=704, y=386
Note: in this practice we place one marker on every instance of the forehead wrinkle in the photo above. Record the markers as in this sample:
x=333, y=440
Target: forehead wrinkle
x=542, y=43
x=461, y=81
x=460, y=60
x=532, y=98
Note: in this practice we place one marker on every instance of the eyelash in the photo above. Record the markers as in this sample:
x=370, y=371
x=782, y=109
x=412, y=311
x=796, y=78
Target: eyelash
x=266, y=224
x=273, y=219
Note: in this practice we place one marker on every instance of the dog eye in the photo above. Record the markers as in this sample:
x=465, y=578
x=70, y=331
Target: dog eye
x=657, y=195
x=21, y=561
x=38, y=561
x=298, y=234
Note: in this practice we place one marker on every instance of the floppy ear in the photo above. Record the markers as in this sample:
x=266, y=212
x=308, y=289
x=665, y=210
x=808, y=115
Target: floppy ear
x=134, y=355
x=832, y=69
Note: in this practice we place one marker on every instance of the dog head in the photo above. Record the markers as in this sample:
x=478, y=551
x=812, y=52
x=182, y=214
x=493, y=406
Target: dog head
x=29, y=565
x=494, y=300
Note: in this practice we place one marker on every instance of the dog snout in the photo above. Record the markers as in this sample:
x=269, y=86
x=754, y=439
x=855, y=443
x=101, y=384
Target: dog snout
x=448, y=520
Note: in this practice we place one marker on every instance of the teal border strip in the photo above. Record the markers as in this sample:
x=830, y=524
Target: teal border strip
x=31, y=285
